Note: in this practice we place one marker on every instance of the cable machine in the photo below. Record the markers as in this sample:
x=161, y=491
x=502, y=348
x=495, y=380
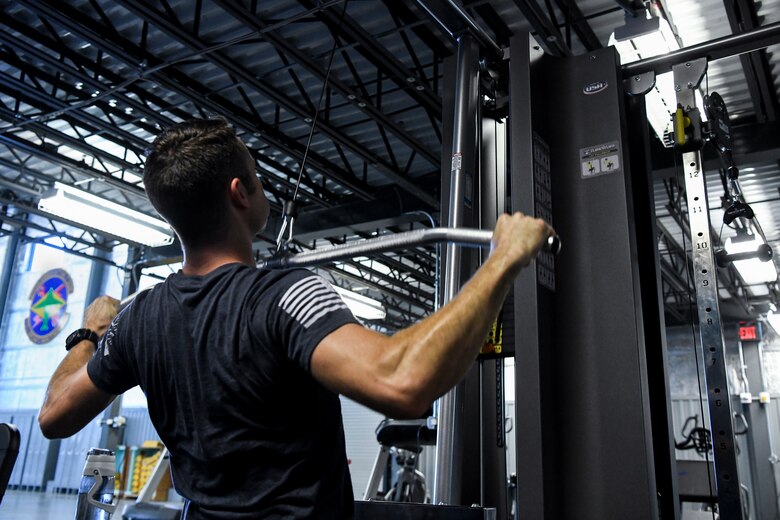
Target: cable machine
x=593, y=429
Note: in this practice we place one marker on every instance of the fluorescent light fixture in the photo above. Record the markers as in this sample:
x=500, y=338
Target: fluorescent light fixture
x=103, y=215
x=362, y=306
x=752, y=271
x=642, y=38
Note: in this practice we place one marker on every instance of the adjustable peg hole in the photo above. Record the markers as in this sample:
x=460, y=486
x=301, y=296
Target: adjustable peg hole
x=708, y=309
x=726, y=476
x=721, y=432
x=701, y=234
x=717, y=390
x=692, y=164
x=712, y=349
x=703, y=271
x=696, y=198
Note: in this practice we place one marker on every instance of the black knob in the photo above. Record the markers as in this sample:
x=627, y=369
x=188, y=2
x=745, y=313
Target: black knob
x=553, y=245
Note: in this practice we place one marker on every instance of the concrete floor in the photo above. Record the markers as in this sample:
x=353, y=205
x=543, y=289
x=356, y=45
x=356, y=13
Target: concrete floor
x=37, y=505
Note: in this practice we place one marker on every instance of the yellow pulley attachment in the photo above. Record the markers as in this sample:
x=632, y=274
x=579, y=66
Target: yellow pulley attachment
x=681, y=122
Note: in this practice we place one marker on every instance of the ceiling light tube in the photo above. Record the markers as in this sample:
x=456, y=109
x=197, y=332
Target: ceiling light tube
x=752, y=271
x=103, y=215
x=362, y=306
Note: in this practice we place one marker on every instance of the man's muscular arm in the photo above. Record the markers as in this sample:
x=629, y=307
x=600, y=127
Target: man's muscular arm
x=72, y=399
x=402, y=374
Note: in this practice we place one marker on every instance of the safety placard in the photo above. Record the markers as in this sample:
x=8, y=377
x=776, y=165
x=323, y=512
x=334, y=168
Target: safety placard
x=600, y=159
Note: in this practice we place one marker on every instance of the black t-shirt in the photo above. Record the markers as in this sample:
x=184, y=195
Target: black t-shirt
x=224, y=362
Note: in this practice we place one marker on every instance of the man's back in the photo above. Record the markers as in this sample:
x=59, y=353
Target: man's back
x=223, y=359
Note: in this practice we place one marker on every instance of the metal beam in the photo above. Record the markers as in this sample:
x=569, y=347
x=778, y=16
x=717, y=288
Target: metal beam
x=73, y=142
x=743, y=17
x=454, y=19
x=716, y=49
x=574, y=17
x=547, y=33
x=82, y=64
x=425, y=32
x=221, y=60
x=283, y=45
x=382, y=58
x=49, y=103
x=184, y=85
x=89, y=83
x=13, y=141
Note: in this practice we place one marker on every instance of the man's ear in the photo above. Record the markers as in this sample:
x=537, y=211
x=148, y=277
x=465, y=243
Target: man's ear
x=238, y=193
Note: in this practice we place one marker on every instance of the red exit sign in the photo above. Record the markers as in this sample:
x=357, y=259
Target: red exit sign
x=748, y=332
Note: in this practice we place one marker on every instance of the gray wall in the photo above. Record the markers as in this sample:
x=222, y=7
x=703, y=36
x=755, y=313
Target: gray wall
x=686, y=398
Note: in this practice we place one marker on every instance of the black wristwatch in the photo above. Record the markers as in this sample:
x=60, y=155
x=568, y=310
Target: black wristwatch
x=80, y=335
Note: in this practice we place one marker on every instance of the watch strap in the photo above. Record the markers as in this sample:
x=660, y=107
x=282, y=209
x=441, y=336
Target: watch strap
x=79, y=336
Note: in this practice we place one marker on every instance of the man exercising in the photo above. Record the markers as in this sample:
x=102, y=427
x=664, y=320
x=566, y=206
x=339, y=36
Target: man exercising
x=241, y=366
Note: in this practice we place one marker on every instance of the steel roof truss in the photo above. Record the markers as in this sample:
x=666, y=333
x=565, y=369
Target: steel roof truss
x=221, y=60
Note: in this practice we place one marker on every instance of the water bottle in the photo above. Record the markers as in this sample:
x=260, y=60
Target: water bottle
x=96, y=492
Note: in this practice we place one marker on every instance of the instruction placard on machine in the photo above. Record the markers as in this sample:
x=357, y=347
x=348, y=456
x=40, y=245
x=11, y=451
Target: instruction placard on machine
x=600, y=159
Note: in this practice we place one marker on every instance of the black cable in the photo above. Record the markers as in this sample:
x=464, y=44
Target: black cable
x=290, y=211
x=319, y=102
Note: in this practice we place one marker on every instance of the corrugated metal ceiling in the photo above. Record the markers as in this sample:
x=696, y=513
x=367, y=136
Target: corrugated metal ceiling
x=82, y=81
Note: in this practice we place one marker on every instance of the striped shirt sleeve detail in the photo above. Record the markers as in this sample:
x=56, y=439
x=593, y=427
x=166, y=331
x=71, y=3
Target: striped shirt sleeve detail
x=310, y=299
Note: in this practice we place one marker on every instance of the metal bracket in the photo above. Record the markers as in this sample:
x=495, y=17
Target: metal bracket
x=687, y=77
x=639, y=84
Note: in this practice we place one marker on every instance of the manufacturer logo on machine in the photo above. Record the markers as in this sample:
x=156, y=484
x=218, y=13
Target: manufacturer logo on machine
x=595, y=87
x=48, y=306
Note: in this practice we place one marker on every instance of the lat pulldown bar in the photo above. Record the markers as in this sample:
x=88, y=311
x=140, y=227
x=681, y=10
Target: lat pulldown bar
x=458, y=236
x=420, y=237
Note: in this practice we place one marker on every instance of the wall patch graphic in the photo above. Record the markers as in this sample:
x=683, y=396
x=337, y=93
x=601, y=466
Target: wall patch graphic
x=48, y=306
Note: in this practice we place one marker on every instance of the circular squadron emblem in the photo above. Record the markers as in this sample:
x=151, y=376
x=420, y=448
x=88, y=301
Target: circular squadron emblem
x=48, y=306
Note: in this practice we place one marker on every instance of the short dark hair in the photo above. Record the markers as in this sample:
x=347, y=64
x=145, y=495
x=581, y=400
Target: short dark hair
x=187, y=174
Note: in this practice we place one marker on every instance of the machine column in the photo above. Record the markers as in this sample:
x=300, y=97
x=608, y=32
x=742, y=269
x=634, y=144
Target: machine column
x=446, y=488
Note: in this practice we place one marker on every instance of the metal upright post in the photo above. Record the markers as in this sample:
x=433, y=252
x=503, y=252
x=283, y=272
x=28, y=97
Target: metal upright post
x=461, y=192
x=9, y=266
x=113, y=433
x=687, y=77
x=97, y=273
x=493, y=190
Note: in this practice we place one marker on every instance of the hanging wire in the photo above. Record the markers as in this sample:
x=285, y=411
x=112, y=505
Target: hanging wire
x=290, y=207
